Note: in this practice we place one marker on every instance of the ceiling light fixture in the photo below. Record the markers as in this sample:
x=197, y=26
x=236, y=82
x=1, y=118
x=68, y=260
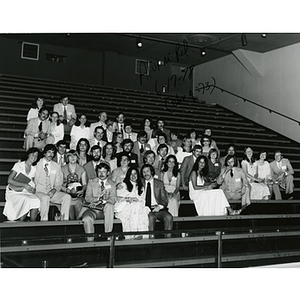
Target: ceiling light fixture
x=139, y=43
x=244, y=39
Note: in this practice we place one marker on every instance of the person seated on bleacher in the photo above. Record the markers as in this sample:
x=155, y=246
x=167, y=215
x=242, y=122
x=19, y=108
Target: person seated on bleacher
x=187, y=166
x=118, y=174
x=234, y=182
x=91, y=165
x=35, y=107
x=214, y=165
x=79, y=130
x=110, y=129
x=120, y=122
x=264, y=171
x=67, y=113
x=170, y=176
x=140, y=146
x=185, y=150
x=127, y=146
x=176, y=141
x=60, y=155
x=162, y=140
x=48, y=181
x=38, y=131
x=147, y=126
x=208, y=200
x=109, y=155
x=160, y=124
x=74, y=183
x=259, y=190
x=206, y=144
x=192, y=135
x=102, y=122
x=128, y=133
x=230, y=151
x=20, y=194
x=282, y=176
x=208, y=131
x=162, y=153
x=117, y=141
x=57, y=128
x=130, y=207
x=101, y=195
x=82, y=148
x=98, y=139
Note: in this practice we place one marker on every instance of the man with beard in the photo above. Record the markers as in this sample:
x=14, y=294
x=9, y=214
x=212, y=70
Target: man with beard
x=140, y=146
x=90, y=166
x=127, y=145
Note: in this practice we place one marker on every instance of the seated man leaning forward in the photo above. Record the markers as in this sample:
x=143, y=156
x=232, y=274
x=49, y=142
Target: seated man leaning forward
x=156, y=199
x=101, y=195
x=234, y=182
x=48, y=182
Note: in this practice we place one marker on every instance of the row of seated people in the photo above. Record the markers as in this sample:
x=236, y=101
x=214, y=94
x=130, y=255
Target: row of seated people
x=98, y=181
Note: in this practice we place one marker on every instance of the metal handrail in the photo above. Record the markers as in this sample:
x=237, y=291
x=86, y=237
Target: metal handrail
x=207, y=87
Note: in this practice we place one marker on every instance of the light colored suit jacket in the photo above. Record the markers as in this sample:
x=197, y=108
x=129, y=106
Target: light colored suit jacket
x=33, y=127
x=93, y=190
x=59, y=108
x=235, y=183
x=56, y=176
x=285, y=167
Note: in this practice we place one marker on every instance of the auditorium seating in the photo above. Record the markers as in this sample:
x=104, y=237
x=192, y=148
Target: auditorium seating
x=17, y=93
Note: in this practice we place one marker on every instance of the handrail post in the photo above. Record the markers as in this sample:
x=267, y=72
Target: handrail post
x=219, y=234
x=111, y=251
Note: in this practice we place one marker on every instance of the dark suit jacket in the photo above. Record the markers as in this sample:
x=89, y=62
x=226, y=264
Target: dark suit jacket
x=159, y=192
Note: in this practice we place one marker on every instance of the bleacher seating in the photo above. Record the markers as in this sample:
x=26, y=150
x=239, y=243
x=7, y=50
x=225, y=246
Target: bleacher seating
x=17, y=93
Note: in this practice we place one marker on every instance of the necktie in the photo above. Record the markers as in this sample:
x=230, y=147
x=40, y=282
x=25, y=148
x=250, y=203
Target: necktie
x=61, y=160
x=129, y=136
x=102, y=186
x=161, y=164
x=46, y=169
x=121, y=126
x=231, y=173
x=65, y=112
x=99, y=143
x=148, y=195
x=41, y=126
x=142, y=149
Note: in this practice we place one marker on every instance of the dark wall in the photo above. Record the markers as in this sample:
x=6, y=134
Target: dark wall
x=83, y=66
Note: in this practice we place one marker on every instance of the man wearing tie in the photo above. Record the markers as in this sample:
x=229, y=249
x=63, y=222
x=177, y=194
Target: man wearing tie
x=101, y=195
x=120, y=119
x=60, y=156
x=162, y=152
x=156, y=199
x=234, y=182
x=90, y=167
x=48, y=182
x=38, y=131
x=66, y=111
x=98, y=139
x=140, y=146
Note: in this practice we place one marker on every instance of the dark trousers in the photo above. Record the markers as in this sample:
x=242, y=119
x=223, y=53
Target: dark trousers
x=163, y=216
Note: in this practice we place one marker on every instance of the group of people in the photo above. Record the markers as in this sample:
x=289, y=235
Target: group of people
x=108, y=171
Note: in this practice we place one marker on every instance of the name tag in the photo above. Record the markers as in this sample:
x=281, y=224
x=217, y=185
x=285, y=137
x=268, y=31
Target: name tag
x=216, y=164
x=155, y=176
x=238, y=180
x=108, y=186
x=132, y=161
x=283, y=168
x=52, y=172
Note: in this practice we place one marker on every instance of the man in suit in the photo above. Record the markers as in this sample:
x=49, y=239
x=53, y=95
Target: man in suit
x=38, y=131
x=282, y=175
x=102, y=122
x=230, y=151
x=127, y=146
x=120, y=119
x=110, y=129
x=90, y=167
x=66, y=111
x=187, y=166
x=48, y=182
x=128, y=134
x=60, y=156
x=162, y=139
x=234, y=182
x=161, y=126
x=100, y=190
x=162, y=153
x=140, y=146
x=156, y=199
x=98, y=139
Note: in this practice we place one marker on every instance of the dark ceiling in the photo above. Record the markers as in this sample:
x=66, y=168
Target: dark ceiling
x=182, y=48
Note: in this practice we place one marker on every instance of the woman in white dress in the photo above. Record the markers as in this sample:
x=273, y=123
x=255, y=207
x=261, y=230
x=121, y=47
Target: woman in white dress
x=259, y=190
x=57, y=128
x=171, y=179
x=264, y=171
x=79, y=131
x=20, y=196
x=208, y=201
x=130, y=207
x=35, y=107
x=109, y=155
